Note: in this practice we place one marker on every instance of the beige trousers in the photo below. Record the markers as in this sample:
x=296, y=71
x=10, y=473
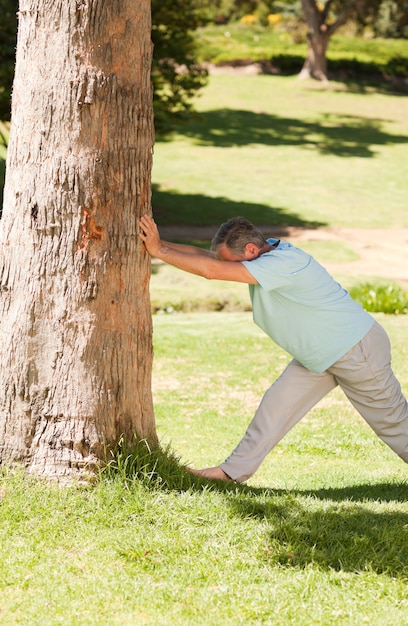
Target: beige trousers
x=364, y=374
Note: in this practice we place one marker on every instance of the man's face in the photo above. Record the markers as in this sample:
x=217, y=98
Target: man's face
x=251, y=252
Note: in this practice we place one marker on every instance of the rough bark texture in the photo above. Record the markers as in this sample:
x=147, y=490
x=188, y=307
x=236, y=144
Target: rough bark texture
x=75, y=350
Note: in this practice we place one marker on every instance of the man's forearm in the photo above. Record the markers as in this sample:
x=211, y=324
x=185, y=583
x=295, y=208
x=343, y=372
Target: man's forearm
x=190, y=261
x=189, y=249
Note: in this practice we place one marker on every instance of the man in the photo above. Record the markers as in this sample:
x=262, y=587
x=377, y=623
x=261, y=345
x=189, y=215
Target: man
x=306, y=312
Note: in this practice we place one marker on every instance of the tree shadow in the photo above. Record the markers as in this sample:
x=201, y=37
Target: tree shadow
x=171, y=207
x=340, y=533
x=332, y=529
x=340, y=135
x=365, y=492
x=391, y=87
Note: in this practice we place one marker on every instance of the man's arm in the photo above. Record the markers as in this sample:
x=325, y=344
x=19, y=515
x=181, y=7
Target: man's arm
x=205, y=265
x=189, y=249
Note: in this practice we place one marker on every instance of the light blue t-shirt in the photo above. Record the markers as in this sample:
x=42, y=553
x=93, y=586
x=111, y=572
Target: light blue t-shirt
x=303, y=309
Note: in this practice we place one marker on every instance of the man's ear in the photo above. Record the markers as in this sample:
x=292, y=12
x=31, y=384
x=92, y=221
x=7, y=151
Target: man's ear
x=251, y=248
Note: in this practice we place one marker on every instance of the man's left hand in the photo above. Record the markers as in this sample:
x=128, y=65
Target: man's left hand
x=149, y=234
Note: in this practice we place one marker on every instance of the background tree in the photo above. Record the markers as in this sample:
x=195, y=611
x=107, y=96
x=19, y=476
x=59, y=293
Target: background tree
x=323, y=20
x=8, y=36
x=75, y=350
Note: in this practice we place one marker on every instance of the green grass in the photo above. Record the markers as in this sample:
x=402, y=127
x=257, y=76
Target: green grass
x=284, y=152
x=172, y=290
x=318, y=536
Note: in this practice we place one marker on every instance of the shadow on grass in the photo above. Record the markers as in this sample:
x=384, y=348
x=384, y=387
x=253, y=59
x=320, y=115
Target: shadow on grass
x=341, y=135
x=343, y=536
x=170, y=207
x=396, y=87
x=332, y=529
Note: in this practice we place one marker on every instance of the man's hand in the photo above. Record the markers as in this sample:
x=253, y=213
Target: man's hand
x=189, y=258
x=149, y=234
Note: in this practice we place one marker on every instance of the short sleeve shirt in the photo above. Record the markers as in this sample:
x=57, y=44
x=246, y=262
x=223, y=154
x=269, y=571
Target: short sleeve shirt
x=303, y=309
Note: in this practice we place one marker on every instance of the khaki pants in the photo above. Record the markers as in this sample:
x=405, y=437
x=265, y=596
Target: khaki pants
x=365, y=375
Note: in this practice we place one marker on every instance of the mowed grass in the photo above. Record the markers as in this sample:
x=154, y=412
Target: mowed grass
x=317, y=536
x=285, y=152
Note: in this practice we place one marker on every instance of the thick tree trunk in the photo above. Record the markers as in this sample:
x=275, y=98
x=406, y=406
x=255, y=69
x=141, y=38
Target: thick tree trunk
x=75, y=350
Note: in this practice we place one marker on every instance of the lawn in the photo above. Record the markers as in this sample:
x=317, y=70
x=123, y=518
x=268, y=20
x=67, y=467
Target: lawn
x=318, y=536
x=282, y=151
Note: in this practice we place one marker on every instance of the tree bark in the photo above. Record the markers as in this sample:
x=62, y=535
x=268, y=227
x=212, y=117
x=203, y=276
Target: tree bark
x=319, y=33
x=315, y=65
x=76, y=334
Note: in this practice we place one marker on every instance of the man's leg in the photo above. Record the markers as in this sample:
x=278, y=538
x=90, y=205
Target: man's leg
x=366, y=377
x=290, y=397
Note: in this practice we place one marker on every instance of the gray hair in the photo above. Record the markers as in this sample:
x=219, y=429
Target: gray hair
x=235, y=234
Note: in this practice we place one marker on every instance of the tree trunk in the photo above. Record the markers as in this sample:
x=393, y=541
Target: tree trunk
x=76, y=349
x=320, y=29
x=315, y=65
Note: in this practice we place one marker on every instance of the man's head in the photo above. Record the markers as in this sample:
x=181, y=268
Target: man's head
x=238, y=240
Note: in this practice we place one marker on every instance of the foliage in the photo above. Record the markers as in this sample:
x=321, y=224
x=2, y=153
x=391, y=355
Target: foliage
x=392, y=19
x=323, y=19
x=381, y=298
x=225, y=11
x=8, y=36
x=176, y=74
x=283, y=51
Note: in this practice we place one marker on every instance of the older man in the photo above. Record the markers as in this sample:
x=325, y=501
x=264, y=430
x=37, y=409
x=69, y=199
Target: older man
x=306, y=312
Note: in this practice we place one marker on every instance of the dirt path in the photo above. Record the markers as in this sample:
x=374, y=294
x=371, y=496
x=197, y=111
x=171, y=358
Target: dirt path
x=382, y=252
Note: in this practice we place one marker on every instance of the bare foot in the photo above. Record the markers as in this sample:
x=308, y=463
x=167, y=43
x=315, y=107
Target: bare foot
x=214, y=473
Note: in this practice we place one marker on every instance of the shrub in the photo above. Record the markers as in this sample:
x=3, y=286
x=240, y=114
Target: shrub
x=381, y=298
x=397, y=66
x=287, y=63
